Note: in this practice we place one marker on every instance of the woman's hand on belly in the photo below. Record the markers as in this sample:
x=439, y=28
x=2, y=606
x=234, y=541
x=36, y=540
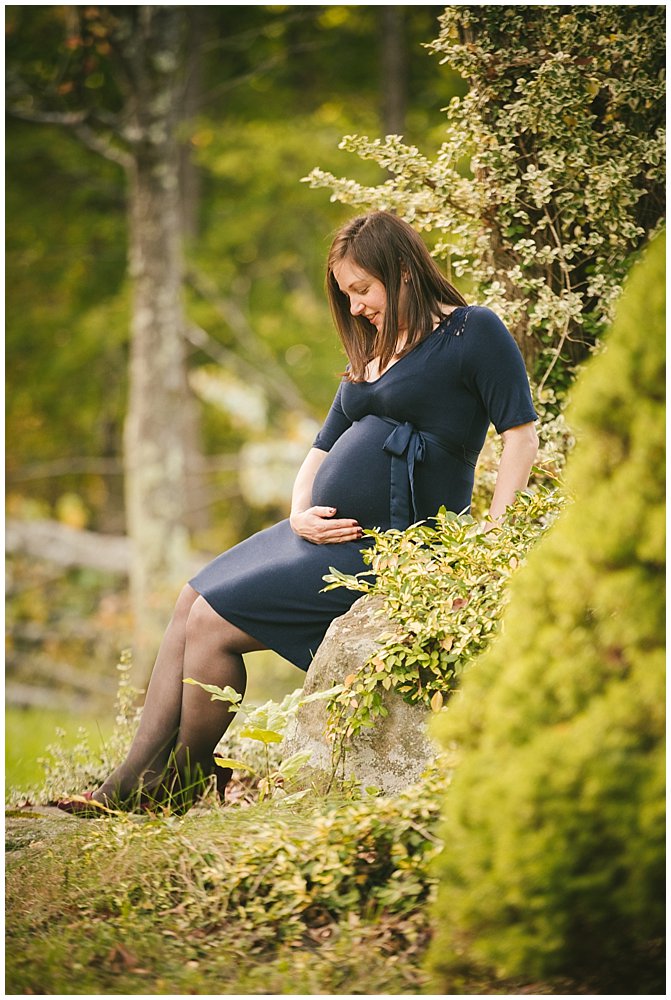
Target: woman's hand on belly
x=319, y=525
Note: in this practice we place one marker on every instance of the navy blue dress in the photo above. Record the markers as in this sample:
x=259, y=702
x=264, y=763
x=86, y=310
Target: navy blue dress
x=398, y=449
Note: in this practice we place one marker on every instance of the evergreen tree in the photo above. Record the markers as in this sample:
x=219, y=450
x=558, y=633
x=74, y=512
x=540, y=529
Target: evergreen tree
x=554, y=823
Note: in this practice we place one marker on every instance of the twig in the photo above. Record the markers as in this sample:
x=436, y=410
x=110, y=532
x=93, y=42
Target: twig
x=268, y=372
x=424, y=833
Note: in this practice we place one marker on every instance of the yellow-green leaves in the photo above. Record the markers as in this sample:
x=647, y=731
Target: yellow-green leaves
x=444, y=586
x=237, y=765
x=265, y=726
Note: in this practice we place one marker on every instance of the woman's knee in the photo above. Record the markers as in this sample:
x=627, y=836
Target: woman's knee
x=206, y=627
x=183, y=605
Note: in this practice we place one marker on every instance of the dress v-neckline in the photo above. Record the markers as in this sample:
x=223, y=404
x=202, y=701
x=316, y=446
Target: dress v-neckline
x=446, y=318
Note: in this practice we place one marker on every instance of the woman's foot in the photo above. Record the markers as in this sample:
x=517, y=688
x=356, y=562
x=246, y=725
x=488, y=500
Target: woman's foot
x=170, y=794
x=84, y=806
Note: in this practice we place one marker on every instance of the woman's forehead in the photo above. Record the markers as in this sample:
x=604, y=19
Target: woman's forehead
x=348, y=273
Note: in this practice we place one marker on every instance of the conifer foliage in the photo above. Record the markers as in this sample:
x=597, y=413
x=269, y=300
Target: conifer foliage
x=554, y=823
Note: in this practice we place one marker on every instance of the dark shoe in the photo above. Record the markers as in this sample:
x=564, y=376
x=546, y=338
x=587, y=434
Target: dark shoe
x=222, y=775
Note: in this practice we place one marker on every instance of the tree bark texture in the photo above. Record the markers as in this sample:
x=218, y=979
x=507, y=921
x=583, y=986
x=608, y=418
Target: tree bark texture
x=154, y=442
x=197, y=510
x=394, y=71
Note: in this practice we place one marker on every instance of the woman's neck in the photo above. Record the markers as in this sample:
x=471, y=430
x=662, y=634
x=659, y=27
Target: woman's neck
x=373, y=367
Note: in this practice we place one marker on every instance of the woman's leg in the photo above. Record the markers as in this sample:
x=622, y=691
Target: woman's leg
x=180, y=719
x=212, y=655
x=159, y=724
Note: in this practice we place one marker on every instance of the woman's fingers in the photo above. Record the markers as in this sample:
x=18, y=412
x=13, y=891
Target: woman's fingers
x=331, y=523
x=321, y=511
x=341, y=524
x=317, y=524
x=342, y=531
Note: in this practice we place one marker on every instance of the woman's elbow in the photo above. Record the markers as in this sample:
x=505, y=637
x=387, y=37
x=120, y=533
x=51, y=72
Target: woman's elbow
x=533, y=439
x=523, y=438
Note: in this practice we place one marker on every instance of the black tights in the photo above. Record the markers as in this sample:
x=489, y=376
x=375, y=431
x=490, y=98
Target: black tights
x=180, y=725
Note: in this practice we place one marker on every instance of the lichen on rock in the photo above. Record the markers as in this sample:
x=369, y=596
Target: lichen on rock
x=389, y=756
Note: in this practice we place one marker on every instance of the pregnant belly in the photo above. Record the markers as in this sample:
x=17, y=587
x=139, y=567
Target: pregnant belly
x=354, y=476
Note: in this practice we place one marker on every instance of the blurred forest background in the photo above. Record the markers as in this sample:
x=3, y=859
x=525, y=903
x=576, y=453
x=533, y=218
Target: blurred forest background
x=154, y=179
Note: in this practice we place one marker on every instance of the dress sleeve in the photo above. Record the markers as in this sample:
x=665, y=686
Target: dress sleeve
x=493, y=368
x=336, y=423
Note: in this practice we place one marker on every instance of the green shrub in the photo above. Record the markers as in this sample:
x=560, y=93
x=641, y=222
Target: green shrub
x=555, y=815
x=444, y=585
x=276, y=871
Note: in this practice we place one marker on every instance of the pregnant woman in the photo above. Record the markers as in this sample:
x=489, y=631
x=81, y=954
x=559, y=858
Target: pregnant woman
x=427, y=374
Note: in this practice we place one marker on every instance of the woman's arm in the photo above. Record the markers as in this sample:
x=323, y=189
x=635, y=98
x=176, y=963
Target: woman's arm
x=301, y=498
x=317, y=524
x=520, y=446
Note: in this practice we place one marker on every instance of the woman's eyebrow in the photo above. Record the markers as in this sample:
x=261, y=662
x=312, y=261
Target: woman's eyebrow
x=358, y=281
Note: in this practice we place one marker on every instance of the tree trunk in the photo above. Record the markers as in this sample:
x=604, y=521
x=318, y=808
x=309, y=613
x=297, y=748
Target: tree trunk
x=394, y=71
x=154, y=442
x=190, y=182
x=196, y=510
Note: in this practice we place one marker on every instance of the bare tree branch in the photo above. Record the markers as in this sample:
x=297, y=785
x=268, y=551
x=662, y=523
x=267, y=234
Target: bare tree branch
x=32, y=696
x=70, y=547
x=77, y=121
x=99, y=144
x=90, y=466
x=69, y=119
x=228, y=359
x=66, y=467
x=259, y=360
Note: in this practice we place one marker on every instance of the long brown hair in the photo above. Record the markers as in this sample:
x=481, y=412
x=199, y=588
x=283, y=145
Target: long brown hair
x=389, y=249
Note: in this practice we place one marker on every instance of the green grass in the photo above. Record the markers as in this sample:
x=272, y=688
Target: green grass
x=29, y=731
x=317, y=896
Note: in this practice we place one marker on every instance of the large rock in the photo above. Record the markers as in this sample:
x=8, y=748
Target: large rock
x=391, y=755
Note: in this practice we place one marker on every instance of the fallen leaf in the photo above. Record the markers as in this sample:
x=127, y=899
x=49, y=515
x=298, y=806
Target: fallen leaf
x=122, y=960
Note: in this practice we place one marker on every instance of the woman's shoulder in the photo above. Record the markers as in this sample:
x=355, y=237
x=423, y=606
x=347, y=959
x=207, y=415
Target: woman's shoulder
x=488, y=344
x=482, y=314
x=468, y=318
x=482, y=321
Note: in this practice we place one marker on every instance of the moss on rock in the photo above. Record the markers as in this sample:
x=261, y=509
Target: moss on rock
x=554, y=822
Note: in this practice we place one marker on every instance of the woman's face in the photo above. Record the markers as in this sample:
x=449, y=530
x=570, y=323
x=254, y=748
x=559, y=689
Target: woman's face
x=367, y=295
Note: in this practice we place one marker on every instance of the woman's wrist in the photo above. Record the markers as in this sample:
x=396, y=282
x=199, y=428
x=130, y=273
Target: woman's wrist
x=297, y=519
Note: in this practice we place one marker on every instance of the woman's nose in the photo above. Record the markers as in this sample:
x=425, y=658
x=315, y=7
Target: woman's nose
x=355, y=306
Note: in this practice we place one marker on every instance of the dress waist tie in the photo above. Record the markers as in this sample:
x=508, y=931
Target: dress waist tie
x=407, y=446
